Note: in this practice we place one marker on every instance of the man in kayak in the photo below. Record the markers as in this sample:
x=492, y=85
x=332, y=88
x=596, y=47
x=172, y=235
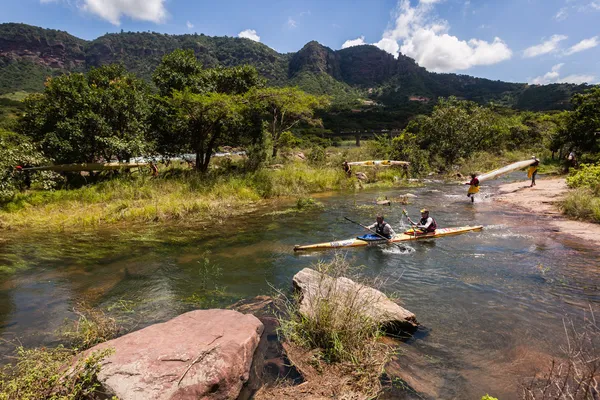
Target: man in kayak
x=382, y=228
x=473, y=187
x=426, y=225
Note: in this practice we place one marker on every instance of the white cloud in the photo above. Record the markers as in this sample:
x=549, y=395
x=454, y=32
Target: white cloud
x=354, y=42
x=189, y=25
x=249, y=34
x=291, y=23
x=113, y=10
x=554, y=77
x=585, y=44
x=426, y=39
x=562, y=14
x=595, y=5
x=546, y=47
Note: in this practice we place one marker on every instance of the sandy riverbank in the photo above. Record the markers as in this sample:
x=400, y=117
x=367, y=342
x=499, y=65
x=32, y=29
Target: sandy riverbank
x=543, y=199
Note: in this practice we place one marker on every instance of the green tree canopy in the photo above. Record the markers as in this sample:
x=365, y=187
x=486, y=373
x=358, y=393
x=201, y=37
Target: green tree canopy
x=82, y=118
x=584, y=121
x=284, y=108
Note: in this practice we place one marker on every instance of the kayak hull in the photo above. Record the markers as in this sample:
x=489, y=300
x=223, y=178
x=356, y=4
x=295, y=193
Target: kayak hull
x=505, y=170
x=356, y=242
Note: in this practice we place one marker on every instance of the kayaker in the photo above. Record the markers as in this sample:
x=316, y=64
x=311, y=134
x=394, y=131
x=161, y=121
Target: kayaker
x=532, y=171
x=427, y=224
x=473, y=187
x=382, y=228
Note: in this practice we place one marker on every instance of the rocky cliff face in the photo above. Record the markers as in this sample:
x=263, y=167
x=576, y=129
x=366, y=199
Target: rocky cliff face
x=46, y=47
x=29, y=54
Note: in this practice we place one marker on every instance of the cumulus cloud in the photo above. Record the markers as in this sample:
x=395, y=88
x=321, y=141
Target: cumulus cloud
x=417, y=34
x=249, y=34
x=114, y=10
x=554, y=77
x=354, y=42
x=585, y=44
x=546, y=47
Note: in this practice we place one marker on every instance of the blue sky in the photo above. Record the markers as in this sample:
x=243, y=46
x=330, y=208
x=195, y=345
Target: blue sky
x=535, y=41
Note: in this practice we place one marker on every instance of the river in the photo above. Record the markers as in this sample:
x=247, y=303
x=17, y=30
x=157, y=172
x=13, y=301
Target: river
x=491, y=303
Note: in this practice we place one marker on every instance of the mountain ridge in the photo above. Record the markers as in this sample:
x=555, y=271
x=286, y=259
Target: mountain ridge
x=28, y=54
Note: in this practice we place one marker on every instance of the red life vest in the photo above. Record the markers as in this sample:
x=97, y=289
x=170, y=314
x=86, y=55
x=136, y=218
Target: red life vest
x=432, y=227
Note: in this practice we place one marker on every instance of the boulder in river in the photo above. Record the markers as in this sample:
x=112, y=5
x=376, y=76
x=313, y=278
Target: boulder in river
x=315, y=286
x=202, y=354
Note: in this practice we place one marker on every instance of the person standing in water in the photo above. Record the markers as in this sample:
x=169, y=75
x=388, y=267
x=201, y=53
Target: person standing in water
x=532, y=171
x=473, y=187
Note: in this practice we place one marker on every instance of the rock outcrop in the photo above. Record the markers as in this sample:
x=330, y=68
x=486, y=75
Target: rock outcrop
x=315, y=286
x=203, y=354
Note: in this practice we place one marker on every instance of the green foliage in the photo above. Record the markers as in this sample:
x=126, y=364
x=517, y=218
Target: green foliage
x=488, y=397
x=283, y=109
x=92, y=327
x=587, y=176
x=584, y=122
x=16, y=150
x=83, y=118
x=39, y=374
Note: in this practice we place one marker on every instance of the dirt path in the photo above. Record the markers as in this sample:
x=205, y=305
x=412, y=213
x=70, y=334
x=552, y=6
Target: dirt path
x=543, y=199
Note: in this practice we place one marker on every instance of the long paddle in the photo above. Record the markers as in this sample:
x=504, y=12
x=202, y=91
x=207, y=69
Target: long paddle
x=372, y=231
x=411, y=222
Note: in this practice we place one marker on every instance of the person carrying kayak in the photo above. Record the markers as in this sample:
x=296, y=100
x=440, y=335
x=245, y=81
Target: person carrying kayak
x=426, y=225
x=382, y=228
x=473, y=187
x=532, y=172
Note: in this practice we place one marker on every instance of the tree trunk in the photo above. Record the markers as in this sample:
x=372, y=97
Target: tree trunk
x=274, y=150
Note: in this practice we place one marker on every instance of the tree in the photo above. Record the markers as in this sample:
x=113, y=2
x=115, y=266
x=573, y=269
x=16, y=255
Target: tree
x=201, y=108
x=82, y=118
x=584, y=121
x=284, y=108
x=206, y=120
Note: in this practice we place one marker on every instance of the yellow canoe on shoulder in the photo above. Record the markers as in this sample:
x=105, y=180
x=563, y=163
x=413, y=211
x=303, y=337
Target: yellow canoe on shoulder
x=402, y=237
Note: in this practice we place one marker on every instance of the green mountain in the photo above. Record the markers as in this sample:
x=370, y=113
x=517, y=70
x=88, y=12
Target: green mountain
x=363, y=78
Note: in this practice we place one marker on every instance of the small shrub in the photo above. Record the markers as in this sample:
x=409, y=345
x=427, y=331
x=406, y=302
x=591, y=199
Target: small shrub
x=92, y=327
x=582, y=204
x=338, y=329
x=587, y=176
x=40, y=373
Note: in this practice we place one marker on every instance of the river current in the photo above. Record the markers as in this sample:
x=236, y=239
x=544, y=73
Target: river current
x=491, y=303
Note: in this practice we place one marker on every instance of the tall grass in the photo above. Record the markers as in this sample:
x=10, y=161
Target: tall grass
x=175, y=195
x=338, y=328
x=584, y=201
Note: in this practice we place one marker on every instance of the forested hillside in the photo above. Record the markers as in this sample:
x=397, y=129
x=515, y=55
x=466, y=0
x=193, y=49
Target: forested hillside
x=361, y=79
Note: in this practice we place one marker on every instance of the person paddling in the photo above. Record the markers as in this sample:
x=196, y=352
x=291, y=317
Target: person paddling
x=426, y=224
x=382, y=228
x=532, y=172
x=473, y=187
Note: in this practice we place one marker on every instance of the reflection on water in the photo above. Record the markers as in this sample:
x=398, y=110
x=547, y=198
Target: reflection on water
x=491, y=302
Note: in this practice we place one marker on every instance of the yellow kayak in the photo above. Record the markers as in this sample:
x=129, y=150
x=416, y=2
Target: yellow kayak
x=384, y=163
x=402, y=237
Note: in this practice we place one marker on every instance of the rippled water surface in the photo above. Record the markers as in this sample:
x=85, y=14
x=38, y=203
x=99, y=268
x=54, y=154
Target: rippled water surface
x=491, y=303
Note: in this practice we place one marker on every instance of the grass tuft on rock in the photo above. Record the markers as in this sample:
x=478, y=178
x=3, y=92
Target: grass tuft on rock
x=338, y=333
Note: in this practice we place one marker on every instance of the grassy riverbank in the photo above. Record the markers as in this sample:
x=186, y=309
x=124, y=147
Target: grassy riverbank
x=583, y=202
x=175, y=195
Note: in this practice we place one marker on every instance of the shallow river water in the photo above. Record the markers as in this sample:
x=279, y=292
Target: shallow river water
x=491, y=303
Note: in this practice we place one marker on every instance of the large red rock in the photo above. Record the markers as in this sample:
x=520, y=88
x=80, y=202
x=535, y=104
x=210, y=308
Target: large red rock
x=203, y=354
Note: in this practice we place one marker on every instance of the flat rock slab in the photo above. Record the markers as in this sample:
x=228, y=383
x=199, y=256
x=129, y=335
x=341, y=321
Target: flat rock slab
x=203, y=354
x=315, y=286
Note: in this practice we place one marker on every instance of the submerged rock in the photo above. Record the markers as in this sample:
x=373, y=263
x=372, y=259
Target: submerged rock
x=203, y=354
x=315, y=286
